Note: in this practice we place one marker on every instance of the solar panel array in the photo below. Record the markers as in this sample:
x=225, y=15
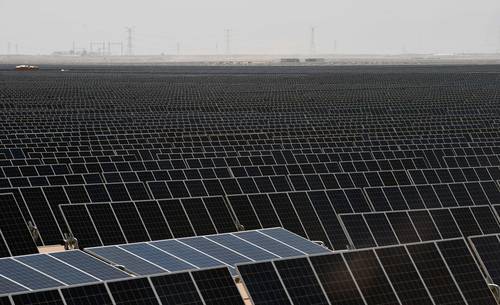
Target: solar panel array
x=210, y=286
x=442, y=272
x=207, y=251
x=385, y=164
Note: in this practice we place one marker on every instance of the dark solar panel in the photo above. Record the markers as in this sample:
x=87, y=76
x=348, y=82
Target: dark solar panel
x=133, y=291
x=403, y=276
x=263, y=284
x=370, y=277
x=106, y=224
x=488, y=251
x=465, y=271
x=336, y=279
x=217, y=287
x=300, y=281
x=130, y=221
x=176, y=289
x=14, y=229
x=95, y=294
x=48, y=297
x=435, y=274
x=81, y=225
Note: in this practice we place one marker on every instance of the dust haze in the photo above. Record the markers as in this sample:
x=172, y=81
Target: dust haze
x=194, y=27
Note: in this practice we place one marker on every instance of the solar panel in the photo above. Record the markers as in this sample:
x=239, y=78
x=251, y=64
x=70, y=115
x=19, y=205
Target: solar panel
x=217, y=287
x=294, y=240
x=370, y=277
x=465, y=271
x=81, y=225
x=105, y=222
x=403, y=275
x=48, y=297
x=176, y=289
x=358, y=231
x=263, y=284
x=336, y=279
x=9, y=286
x=26, y=276
x=216, y=251
x=122, y=257
x=300, y=281
x=90, y=265
x=133, y=291
x=56, y=269
x=130, y=221
x=14, y=229
x=487, y=249
x=381, y=229
x=435, y=274
x=268, y=244
x=95, y=294
x=154, y=220
x=176, y=217
x=239, y=245
x=198, y=214
x=158, y=257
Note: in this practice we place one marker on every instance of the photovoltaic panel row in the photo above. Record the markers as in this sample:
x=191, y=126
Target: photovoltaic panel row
x=425, y=273
x=207, y=251
x=433, y=195
x=202, y=287
x=389, y=228
x=121, y=222
x=41, y=204
x=448, y=175
x=41, y=271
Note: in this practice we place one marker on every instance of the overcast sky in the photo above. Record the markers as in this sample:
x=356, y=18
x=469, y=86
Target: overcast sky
x=257, y=26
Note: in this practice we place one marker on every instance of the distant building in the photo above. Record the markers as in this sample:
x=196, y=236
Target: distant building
x=290, y=60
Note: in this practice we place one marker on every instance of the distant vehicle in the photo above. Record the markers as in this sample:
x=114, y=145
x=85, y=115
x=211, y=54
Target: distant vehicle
x=26, y=68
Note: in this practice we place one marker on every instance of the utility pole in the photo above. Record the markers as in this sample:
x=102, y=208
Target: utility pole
x=312, y=43
x=228, y=41
x=499, y=40
x=8, y=48
x=129, y=40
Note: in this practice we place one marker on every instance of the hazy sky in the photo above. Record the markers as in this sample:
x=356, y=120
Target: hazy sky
x=257, y=26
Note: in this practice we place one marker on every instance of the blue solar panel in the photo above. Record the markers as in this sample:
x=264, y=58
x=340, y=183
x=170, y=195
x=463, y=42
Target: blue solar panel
x=90, y=265
x=268, y=243
x=295, y=241
x=243, y=247
x=192, y=256
x=56, y=269
x=188, y=253
x=219, y=252
x=129, y=261
x=25, y=275
x=7, y=286
x=158, y=257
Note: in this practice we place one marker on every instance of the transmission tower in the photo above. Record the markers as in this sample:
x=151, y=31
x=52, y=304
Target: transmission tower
x=312, y=43
x=228, y=41
x=129, y=40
